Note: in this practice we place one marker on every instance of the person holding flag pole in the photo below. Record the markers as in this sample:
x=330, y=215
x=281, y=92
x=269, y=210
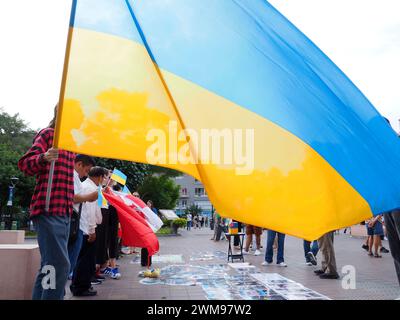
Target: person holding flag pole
x=52, y=168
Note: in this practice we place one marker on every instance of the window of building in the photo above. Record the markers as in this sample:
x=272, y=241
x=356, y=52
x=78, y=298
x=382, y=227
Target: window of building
x=199, y=192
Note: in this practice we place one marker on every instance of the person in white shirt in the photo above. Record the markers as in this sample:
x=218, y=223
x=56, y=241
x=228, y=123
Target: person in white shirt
x=90, y=217
x=82, y=166
x=189, y=221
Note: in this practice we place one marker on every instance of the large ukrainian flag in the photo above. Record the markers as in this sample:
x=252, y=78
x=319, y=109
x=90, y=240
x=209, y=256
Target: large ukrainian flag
x=324, y=157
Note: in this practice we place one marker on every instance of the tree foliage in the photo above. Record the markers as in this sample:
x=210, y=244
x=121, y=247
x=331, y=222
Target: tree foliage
x=165, y=171
x=162, y=190
x=194, y=210
x=15, y=140
x=135, y=172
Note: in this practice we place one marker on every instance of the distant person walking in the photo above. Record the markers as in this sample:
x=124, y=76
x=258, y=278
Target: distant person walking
x=310, y=252
x=375, y=232
x=188, y=221
x=201, y=221
x=269, y=253
x=257, y=232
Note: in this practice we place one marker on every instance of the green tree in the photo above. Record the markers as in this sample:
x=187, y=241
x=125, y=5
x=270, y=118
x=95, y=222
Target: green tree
x=15, y=140
x=162, y=190
x=194, y=210
x=135, y=172
x=164, y=171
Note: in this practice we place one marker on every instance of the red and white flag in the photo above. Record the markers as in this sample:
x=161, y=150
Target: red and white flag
x=136, y=230
x=154, y=222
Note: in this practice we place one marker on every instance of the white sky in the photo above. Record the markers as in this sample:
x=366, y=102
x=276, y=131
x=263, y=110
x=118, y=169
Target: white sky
x=361, y=36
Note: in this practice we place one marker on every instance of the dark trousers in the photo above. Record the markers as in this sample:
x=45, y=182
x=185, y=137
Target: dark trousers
x=392, y=223
x=308, y=246
x=85, y=267
x=112, y=244
x=269, y=252
x=102, y=234
x=219, y=230
x=236, y=239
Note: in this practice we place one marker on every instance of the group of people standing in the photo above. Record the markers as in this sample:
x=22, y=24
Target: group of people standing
x=196, y=221
x=97, y=238
x=324, y=245
x=376, y=234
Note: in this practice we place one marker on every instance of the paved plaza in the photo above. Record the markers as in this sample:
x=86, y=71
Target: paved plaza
x=375, y=278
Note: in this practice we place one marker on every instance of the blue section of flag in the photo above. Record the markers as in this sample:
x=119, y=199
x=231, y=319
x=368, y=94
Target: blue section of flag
x=126, y=190
x=250, y=54
x=101, y=200
x=104, y=19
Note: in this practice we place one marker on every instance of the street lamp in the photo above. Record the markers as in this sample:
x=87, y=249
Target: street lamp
x=8, y=216
x=14, y=181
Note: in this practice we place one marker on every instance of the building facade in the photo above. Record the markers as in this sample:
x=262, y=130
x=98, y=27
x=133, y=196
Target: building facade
x=192, y=192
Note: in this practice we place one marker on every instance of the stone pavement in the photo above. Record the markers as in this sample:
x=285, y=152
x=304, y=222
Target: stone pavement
x=375, y=278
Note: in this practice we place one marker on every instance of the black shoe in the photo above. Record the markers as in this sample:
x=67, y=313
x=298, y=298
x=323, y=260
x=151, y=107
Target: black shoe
x=95, y=282
x=365, y=247
x=311, y=258
x=319, y=272
x=384, y=250
x=86, y=293
x=329, y=276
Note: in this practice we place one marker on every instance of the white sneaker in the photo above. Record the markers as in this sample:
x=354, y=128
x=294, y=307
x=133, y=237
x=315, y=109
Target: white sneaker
x=265, y=263
x=246, y=252
x=282, y=264
x=257, y=252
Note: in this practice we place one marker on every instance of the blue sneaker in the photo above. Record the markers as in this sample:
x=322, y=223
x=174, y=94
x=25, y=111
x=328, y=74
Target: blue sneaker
x=106, y=272
x=115, y=274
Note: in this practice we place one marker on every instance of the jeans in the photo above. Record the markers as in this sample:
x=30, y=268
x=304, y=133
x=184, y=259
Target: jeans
x=308, y=247
x=73, y=251
x=52, y=237
x=392, y=223
x=189, y=225
x=270, y=242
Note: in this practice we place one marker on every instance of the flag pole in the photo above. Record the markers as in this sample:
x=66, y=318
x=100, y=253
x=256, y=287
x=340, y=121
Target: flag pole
x=60, y=103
